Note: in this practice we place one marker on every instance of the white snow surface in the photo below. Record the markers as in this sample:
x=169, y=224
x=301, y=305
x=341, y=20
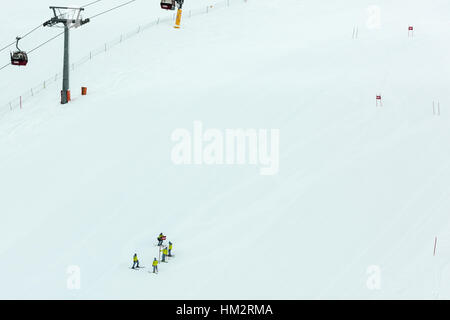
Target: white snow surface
x=90, y=183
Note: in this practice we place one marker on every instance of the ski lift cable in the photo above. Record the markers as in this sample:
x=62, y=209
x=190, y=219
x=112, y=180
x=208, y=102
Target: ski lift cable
x=6, y=47
x=44, y=43
x=86, y=5
x=114, y=8
x=26, y=34
x=61, y=33
x=6, y=65
x=51, y=39
x=91, y=3
x=30, y=32
x=40, y=25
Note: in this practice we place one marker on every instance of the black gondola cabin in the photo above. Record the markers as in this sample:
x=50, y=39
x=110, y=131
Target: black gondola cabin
x=168, y=4
x=19, y=58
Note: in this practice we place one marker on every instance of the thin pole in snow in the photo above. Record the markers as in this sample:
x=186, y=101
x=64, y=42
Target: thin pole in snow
x=435, y=242
x=20, y=101
x=355, y=32
x=437, y=108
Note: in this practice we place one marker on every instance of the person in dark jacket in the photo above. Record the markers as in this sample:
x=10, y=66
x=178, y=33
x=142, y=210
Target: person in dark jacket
x=160, y=238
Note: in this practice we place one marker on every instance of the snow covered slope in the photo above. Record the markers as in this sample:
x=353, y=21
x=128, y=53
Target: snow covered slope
x=359, y=188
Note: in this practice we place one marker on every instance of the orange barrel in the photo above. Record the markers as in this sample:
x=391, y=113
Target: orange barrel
x=83, y=91
x=68, y=95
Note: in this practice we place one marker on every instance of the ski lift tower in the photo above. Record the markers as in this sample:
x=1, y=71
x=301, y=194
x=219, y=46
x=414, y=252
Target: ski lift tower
x=68, y=17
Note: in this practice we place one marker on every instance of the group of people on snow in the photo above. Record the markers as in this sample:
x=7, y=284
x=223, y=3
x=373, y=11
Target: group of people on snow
x=165, y=250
